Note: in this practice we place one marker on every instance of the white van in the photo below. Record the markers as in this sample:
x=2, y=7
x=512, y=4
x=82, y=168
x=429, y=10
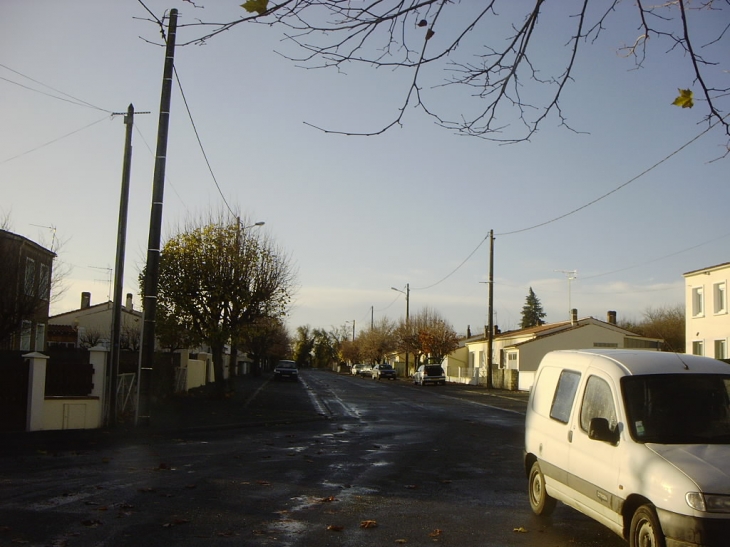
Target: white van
x=637, y=440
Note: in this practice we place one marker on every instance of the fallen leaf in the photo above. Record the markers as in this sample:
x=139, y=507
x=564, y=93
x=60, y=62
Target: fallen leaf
x=521, y=530
x=436, y=533
x=329, y=498
x=400, y=541
x=368, y=524
x=335, y=528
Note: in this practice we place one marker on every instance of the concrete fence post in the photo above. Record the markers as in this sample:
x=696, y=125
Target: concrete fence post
x=36, y=390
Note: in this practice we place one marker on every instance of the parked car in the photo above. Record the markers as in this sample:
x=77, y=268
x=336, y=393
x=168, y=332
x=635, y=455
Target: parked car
x=286, y=370
x=383, y=371
x=429, y=374
x=366, y=370
x=355, y=370
x=638, y=440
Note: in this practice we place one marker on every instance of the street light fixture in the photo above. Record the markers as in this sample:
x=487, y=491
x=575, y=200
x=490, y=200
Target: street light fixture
x=408, y=299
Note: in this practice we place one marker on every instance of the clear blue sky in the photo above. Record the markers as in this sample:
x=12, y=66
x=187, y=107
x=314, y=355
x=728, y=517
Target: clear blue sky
x=358, y=215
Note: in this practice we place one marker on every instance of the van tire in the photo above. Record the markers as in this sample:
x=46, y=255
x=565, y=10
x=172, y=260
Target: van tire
x=541, y=502
x=645, y=528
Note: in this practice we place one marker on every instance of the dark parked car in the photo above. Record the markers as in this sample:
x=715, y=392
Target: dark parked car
x=286, y=370
x=429, y=374
x=383, y=371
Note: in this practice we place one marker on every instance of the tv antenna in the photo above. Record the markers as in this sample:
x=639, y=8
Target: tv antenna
x=53, y=234
x=571, y=275
x=108, y=280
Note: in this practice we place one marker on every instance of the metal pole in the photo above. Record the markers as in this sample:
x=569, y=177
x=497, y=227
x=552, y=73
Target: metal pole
x=153, y=248
x=119, y=269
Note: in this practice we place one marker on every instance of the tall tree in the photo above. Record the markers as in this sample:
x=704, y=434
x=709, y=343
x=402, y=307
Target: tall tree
x=265, y=338
x=495, y=52
x=378, y=342
x=215, y=278
x=427, y=333
x=532, y=312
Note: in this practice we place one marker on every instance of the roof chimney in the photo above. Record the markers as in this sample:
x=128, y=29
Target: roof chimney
x=129, y=304
x=573, y=316
x=612, y=317
x=85, y=300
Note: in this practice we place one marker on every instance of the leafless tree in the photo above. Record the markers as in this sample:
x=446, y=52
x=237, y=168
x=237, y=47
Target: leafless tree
x=492, y=50
x=90, y=337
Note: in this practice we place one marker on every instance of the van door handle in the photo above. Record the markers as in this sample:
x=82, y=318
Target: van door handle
x=570, y=436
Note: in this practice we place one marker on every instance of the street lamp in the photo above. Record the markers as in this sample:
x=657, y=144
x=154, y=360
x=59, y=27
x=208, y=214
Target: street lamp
x=353, y=328
x=408, y=299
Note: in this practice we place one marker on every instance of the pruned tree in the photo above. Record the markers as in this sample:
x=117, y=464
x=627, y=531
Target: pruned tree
x=91, y=337
x=495, y=52
x=265, y=338
x=376, y=343
x=303, y=345
x=426, y=333
x=215, y=278
x=532, y=312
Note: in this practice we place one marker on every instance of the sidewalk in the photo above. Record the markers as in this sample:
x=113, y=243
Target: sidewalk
x=196, y=411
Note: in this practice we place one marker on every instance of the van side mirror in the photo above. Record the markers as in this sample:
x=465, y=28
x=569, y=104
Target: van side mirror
x=600, y=430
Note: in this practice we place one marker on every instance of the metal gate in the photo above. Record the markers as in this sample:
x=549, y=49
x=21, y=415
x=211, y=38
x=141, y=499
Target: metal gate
x=13, y=391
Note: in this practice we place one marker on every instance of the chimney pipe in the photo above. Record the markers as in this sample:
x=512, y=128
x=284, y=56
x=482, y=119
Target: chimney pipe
x=129, y=304
x=612, y=317
x=85, y=300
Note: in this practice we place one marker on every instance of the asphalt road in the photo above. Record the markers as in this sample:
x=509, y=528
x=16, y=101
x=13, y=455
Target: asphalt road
x=387, y=463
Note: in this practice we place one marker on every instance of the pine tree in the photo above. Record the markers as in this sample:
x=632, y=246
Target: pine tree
x=532, y=312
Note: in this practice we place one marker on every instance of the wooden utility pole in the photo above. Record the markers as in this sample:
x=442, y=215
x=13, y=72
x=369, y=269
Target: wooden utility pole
x=152, y=272
x=490, y=337
x=119, y=269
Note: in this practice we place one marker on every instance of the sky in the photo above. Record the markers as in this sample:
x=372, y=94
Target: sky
x=584, y=217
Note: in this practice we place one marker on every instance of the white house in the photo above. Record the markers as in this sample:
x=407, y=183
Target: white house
x=516, y=354
x=707, y=320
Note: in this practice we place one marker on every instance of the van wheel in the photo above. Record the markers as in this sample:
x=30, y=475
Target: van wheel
x=645, y=528
x=541, y=503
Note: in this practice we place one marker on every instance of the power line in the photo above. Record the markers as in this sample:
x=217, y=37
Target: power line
x=53, y=141
x=71, y=99
x=555, y=219
x=200, y=143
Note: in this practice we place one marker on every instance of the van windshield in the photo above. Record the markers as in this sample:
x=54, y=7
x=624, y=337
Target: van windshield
x=678, y=408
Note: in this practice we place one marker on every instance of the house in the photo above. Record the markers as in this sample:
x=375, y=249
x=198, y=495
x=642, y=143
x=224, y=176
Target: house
x=92, y=325
x=25, y=290
x=516, y=354
x=707, y=321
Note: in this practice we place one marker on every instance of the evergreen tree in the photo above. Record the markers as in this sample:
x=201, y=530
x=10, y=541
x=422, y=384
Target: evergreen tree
x=532, y=312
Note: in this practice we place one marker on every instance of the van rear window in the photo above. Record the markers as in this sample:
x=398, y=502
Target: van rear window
x=565, y=395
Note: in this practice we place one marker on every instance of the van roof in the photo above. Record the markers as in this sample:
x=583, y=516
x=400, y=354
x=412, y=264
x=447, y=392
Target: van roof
x=637, y=362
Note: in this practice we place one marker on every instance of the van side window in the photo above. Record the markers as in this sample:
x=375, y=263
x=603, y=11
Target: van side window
x=564, y=395
x=597, y=403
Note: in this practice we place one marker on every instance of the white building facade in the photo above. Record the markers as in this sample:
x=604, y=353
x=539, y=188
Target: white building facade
x=707, y=320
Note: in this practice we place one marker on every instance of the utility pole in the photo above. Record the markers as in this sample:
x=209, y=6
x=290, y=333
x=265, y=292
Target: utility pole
x=372, y=315
x=152, y=274
x=490, y=338
x=119, y=268
x=408, y=300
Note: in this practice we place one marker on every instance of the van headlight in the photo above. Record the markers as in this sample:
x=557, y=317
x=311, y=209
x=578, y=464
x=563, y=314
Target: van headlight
x=709, y=503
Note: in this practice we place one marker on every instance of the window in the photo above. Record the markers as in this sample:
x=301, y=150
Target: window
x=597, y=403
x=720, y=349
x=44, y=283
x=29, y=277
x=25, y=333
x=698, y=347
x=564, y=396
x=40, y=337
x=718, y=298
x=698, y=302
